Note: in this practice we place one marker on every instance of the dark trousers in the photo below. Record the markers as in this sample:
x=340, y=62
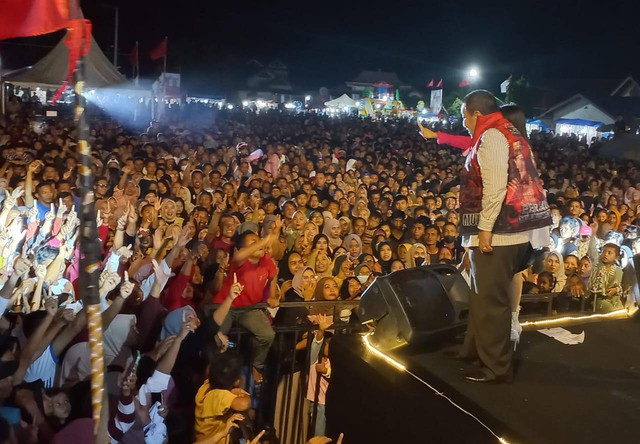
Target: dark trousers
x=256, y=322
x=489, y=329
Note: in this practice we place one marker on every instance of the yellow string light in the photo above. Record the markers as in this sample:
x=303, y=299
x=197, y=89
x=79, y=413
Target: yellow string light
x=381, y=355
x=564, y=319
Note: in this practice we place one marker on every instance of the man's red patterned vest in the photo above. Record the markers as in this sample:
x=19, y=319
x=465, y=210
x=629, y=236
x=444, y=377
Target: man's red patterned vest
x=525, y=206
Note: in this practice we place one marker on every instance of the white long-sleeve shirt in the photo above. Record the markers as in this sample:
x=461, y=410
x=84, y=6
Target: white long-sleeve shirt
x=493, y=158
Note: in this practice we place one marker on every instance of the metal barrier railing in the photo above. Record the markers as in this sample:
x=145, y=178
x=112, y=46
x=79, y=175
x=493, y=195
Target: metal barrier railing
x=282, y=400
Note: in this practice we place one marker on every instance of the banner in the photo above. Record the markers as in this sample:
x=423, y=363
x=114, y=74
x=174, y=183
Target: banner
x=436, y=100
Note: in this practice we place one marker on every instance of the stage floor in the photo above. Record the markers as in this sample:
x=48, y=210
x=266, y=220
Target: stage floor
x=586, y=393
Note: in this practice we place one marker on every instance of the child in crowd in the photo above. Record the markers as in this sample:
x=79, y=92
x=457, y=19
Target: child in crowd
x=220, y=397
x=605, y=284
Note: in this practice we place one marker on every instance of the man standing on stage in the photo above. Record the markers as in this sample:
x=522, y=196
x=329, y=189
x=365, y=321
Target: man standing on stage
x=498, y=225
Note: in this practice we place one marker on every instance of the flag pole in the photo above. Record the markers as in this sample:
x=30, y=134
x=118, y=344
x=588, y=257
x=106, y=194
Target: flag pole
x=90, y=247
x=2, y=105
x=166, y=51
x=137, y=62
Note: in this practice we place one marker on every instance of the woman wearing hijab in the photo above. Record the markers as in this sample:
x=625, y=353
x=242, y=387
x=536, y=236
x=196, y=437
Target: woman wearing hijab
x=302, y=289
x=290, y=265
x=417, y=256
x=345, y=225
x=323, y=265
x=384, y=255
x=353, y=244
x=554, y=264
x=332, y=230
x=173, y=321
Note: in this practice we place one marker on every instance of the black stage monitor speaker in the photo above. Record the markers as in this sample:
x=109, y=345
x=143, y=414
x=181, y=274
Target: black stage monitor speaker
x=415, y=305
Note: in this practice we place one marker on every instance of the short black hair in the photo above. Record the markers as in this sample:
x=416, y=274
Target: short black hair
x=400, y=197
x=482, y=101
x=225, y=369
x=241, y=239
x=44, y=183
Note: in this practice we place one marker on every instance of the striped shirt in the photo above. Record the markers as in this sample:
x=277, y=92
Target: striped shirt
x=493, y=158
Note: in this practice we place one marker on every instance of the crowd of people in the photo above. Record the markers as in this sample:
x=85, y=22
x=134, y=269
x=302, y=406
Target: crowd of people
x=246, y=210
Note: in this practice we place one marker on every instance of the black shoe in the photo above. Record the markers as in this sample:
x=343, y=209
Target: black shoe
x=485, y=375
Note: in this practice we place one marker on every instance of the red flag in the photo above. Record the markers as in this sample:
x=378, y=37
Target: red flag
x=24, y=18
x=133, y=56
x=159, y=51
x=78, y=41
x=465, y=82
x=430, y=84
x=439, y=85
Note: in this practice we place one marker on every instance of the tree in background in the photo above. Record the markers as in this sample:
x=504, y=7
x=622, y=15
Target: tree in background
x=519, y=92
x=454, y=108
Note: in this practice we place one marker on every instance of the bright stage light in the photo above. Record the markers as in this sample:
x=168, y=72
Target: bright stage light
x=307, y=98
x=245, y=103
x=229, y=106
x=474, y=73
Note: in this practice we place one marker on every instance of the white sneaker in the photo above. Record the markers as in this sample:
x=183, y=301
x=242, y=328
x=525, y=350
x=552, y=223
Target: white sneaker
x=516, y=328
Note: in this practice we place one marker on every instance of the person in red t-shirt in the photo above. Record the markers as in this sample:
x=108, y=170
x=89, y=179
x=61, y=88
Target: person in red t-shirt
x=254, y=269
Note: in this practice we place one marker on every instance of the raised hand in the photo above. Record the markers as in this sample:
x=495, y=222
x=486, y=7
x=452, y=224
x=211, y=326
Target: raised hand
x=34, y=166
x=33, y=211
x=236, y=288
x=158, y=237
x=132, y=218
x=21, y=267
x=308, y=288
x=51, y=305
x=61, y=209
x=122, y=220
x=161, y=276
x=108, y=281
x=187, y=327
x=41, y=271
x=51, y=214
x=183, y=238
x=125, y=252
x=127, y=286
x=11, y=199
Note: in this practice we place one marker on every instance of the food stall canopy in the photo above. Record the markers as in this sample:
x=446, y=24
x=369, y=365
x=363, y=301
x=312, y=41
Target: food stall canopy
x=578, y=122
x=341, y=102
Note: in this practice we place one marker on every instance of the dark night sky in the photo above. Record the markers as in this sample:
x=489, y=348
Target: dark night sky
x=327, y=42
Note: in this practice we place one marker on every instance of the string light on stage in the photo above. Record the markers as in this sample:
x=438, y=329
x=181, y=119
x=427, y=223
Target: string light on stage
x=381, y=355
x=566, y=319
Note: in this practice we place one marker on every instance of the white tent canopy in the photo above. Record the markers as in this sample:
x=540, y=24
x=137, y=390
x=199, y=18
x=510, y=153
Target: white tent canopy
x=341, y=102
x=51, y=70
